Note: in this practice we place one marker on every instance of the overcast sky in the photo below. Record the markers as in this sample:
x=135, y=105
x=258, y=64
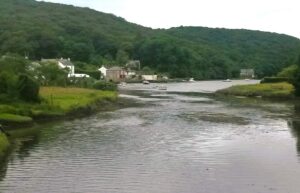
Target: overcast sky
x=281, y=16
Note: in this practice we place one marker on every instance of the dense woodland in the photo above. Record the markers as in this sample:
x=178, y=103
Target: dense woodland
x=46, y=30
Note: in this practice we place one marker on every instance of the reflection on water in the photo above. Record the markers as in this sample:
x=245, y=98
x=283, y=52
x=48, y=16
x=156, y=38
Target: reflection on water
x=294, y=124
x=295, y=129
x=171, y=142
x=23, y=141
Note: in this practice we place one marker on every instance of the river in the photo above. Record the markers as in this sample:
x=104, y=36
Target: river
x=173, y=141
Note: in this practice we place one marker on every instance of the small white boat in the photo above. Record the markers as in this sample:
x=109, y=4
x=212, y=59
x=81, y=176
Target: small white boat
x=191, y=80
x=146, y=82
x=227, y=80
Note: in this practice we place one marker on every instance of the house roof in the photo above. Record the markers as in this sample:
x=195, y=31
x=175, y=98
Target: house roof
x=102, y=68
x=115, y=68
x=66, y=62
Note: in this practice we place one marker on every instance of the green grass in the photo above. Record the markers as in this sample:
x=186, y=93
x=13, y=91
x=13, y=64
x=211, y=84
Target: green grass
x=14, y=118
x=56, y=102
x=4, y=144
x=268, y=90
x=68, y=99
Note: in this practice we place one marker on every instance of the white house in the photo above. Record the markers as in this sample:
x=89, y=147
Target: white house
x=103, y=71
x=66, y=63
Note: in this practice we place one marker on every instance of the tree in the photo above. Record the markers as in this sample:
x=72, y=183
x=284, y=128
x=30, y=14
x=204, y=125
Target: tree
x=49, y=74
x=122, y=57
x=297, y=79
x=28, y=88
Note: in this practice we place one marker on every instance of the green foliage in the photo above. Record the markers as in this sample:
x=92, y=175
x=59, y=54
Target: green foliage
x=6, y=117
x=103, y=85
x=47, y=30
x=122, y=57
x=4, y=144
x=68, y=99
x=297, y=78
x=49, y=74
x=16, y=81
x=82, y=82
x=28, y=88
x=289, y=72
x=7, y=86
x=275, y=79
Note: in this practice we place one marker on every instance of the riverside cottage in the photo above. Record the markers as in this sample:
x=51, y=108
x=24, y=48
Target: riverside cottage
x=116, y=74
x=67, y=64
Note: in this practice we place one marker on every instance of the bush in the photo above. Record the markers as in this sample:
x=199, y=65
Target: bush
x=28, y=89
x=275, y=79
x=289, y=72
x=101, y=85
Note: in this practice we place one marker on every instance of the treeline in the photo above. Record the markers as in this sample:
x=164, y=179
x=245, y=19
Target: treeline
x=46, y=30
x=20, y=79
x=17, y=82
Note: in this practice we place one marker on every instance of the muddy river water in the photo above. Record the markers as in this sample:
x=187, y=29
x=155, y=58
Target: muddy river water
x=170, y=141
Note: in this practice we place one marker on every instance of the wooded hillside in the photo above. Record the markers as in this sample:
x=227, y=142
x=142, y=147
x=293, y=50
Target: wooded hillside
x=47, y=30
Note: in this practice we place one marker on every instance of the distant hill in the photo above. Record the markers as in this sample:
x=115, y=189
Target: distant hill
x=48, y=30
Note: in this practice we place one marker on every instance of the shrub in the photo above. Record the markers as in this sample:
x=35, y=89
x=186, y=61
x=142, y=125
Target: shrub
x=3, y=84
x=8, y=91
x=289, y=72
x=28, y=88
x=275, y=79
x=102, y=85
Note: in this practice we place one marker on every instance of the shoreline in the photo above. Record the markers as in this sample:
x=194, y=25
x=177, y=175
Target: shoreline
x=66, y=104
x=7, y=142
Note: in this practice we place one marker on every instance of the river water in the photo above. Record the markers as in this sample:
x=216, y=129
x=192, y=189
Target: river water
x=174, y=141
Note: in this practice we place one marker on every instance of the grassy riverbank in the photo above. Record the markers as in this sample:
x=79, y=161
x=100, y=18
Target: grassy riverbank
x=55, y=102
x=4, y=144
x=266, y=90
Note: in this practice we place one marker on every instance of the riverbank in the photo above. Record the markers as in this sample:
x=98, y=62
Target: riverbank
x=281, y=90
x=56, y=103
x=4, y=144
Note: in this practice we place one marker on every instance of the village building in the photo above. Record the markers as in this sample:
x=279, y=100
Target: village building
x=115, y=74
x=247, y=73
x=149, y=77
x=103, y=71
x=66, y=64
x=130, y=74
